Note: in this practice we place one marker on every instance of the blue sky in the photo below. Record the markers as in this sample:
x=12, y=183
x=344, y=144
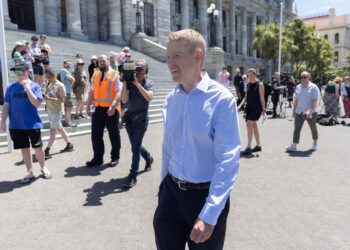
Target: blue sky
x=313, y=7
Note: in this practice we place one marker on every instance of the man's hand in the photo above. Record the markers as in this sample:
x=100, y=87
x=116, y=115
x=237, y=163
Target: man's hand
x=201, y=231
x=308, y=114
x=111, y=110
x=26, y=83
x=136, y=81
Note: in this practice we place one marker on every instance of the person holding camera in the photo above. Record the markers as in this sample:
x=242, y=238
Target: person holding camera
x=21, y=102
x=276, y=88
x=105, y=92
x=137, y=92
x=305, y=108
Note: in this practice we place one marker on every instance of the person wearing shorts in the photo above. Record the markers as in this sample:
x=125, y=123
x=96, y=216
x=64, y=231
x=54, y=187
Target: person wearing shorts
x=54, y=95
x=22, y=99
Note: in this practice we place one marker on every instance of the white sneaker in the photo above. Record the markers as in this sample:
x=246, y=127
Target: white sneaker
x=315, y=146
x=292, y=147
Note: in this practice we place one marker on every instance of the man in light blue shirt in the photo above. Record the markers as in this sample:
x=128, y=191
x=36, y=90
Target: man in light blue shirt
x=201, y=151
x=305, y=108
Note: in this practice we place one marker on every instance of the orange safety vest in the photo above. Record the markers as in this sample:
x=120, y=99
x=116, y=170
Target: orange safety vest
x=105, y=91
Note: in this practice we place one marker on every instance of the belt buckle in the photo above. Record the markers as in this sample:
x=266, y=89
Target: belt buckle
x=179, y=185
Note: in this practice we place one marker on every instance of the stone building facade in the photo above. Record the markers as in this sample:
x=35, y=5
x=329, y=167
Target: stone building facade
x=115, y=21
x=336, y=29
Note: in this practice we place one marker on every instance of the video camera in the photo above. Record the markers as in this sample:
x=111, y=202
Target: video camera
x=285, y=79
x=129, y=70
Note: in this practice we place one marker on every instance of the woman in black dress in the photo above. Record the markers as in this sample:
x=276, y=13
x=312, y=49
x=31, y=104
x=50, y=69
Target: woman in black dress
x=255, y=106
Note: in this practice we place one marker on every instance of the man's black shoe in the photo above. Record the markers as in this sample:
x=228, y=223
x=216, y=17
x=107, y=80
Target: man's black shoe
x=130, y=182
x=93, y=163
x=149, y=163
x=47, y=153
x=68, y=148
x=114, y=162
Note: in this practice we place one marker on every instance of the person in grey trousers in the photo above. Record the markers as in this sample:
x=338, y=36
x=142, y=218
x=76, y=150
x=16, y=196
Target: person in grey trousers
x=305, y=108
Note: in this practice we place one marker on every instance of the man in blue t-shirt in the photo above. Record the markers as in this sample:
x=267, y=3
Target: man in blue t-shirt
x=22, y=99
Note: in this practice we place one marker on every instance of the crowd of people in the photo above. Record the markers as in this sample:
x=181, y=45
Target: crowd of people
x=201, y=145
x=105, y=88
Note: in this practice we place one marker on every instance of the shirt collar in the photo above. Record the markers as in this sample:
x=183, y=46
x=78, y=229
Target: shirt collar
x=203, y=85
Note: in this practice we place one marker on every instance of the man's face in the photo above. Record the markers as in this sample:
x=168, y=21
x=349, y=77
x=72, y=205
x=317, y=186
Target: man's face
x=103, y=63
x=34, y=41
x=237, y=72
x=43, y=40
x=181, y=63
x=277, y=76
x=68, y=65
x=141, y=71
x=304, y=78
x=49, y=77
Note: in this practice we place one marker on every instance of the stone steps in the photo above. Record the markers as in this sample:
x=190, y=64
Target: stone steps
x=67, y=48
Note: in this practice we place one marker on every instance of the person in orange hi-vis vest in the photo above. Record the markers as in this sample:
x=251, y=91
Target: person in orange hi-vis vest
x=105, y=95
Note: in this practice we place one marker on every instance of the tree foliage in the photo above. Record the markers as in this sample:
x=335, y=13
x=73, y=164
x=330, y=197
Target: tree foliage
x=302, y=47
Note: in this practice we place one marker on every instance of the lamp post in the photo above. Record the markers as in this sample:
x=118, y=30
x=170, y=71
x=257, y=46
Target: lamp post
x=280, y=41
x=138, y=5
x=213, y=14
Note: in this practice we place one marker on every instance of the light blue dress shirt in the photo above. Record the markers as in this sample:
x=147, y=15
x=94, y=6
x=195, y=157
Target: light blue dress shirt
x=202, y=141
x=305, y=95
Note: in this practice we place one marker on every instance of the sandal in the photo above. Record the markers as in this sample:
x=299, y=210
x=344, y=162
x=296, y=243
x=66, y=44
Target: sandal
x=46, y=174
x=28, y=178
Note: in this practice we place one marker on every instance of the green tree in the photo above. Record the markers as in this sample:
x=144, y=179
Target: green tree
x=298, y=37
x=319, y=55
x=266, y=42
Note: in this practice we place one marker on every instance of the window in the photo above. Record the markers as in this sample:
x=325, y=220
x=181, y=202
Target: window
x=63, y=16
x=336, y=56
x=224, y=19
x=336, y=38
x=148, y=19
x=195, y=9
x=177, y=7
x=325, y=37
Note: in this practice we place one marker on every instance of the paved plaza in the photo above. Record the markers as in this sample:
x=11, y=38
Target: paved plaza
x=280, y=201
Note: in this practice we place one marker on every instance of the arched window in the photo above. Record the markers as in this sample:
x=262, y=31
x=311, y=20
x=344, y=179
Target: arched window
x=325, y=36
x=336, y=38
x=336, y=56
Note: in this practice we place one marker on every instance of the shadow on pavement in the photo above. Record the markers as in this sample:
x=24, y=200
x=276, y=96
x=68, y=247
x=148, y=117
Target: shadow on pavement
x=101, y=189
x=84, y=171
x=306, y=153
x=21, y=162
x=9, y=186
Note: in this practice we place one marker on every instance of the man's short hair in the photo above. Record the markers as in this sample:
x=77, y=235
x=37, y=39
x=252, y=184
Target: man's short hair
x=305, y=73
x=126, y=49
x=277, y=73
x=346, y=78
x=193, y=38
x=142, y=61
x=34, y=38
x=43, y=36
x=66, y=61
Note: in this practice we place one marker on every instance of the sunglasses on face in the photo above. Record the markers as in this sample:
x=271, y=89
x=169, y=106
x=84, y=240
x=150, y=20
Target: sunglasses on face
x=19, y=72
x=304, y=77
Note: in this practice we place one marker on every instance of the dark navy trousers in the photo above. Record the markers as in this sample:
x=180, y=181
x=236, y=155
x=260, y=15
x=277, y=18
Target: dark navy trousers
x=176, y=214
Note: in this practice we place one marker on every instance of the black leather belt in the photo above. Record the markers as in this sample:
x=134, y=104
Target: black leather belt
x=183, y=185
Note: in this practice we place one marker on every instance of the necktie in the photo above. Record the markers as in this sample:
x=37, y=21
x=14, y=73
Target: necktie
x=102, y=76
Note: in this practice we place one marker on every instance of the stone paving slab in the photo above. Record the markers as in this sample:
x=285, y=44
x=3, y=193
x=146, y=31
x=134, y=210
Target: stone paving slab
x=280, y=201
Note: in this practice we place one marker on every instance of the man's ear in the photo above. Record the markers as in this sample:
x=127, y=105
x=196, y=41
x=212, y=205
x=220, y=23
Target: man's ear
x=199, y=54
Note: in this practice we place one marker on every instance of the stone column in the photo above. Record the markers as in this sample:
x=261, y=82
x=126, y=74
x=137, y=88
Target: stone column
x=244, y=31
x=52, y=25
x=73, y=19
x=115, y=21
x=253, y=33
x=7, y=20
x=232, y=27
x=219, y=40
x=203, y=19
x=92, y=19
x=40, y=16
x=103, y=24
x=84, y=16
x=185, y=14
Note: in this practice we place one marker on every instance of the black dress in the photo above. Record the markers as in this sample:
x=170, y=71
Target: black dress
x=253, y=105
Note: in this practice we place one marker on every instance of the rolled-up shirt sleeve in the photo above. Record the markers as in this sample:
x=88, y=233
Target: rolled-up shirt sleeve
x=227, y=152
